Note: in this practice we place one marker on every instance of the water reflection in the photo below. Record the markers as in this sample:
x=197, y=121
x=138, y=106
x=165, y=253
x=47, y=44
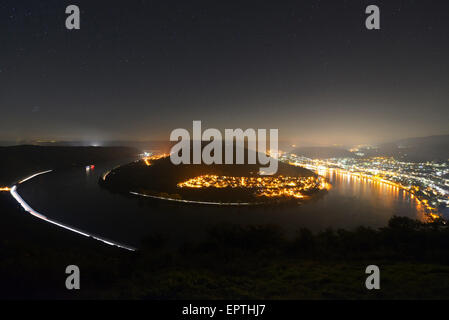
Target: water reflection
x=372, y=190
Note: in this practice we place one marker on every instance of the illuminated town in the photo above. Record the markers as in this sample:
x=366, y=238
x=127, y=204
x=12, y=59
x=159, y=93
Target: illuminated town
x=427, y=182
x=270, y=187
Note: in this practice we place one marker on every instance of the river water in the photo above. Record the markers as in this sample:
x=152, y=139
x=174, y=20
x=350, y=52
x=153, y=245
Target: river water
x=75, y=198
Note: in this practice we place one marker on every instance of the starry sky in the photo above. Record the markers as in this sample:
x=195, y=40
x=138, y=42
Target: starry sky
x=136, y=70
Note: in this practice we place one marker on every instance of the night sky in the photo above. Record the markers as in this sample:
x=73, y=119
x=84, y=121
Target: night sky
x=138, y=69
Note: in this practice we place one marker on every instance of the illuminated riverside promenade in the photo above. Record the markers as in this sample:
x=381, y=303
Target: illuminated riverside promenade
x=147, y=160
x=323, y=168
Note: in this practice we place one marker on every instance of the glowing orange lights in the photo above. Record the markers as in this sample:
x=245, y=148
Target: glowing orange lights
x=434, y=216
x=379, y=177
x=148, y=160
x=5, y=189
x=271, y=187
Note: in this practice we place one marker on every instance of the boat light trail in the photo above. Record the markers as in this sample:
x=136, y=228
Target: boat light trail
x=36, y=214
x=34, y=175
x=196, y=202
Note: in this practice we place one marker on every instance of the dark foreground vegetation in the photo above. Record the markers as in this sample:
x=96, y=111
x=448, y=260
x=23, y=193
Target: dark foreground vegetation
x=234, y=262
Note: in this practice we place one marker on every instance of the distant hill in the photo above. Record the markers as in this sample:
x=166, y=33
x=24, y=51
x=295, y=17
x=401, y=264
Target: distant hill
x=418, y=149
x=430, y=140
x=432, y=148
x=323, y=152
x=149, y=145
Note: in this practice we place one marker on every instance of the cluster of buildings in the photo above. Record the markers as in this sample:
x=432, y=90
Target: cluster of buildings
x=264, y=186
x=428, y=181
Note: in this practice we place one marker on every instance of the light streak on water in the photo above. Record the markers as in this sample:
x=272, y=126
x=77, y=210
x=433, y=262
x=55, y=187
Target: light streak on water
x=38, y=215
x=196, y=202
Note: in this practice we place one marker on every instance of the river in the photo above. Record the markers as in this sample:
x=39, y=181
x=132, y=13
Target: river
x=74, y=197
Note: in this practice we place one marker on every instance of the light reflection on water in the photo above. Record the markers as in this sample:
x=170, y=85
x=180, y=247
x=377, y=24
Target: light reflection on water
x=373, y=191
